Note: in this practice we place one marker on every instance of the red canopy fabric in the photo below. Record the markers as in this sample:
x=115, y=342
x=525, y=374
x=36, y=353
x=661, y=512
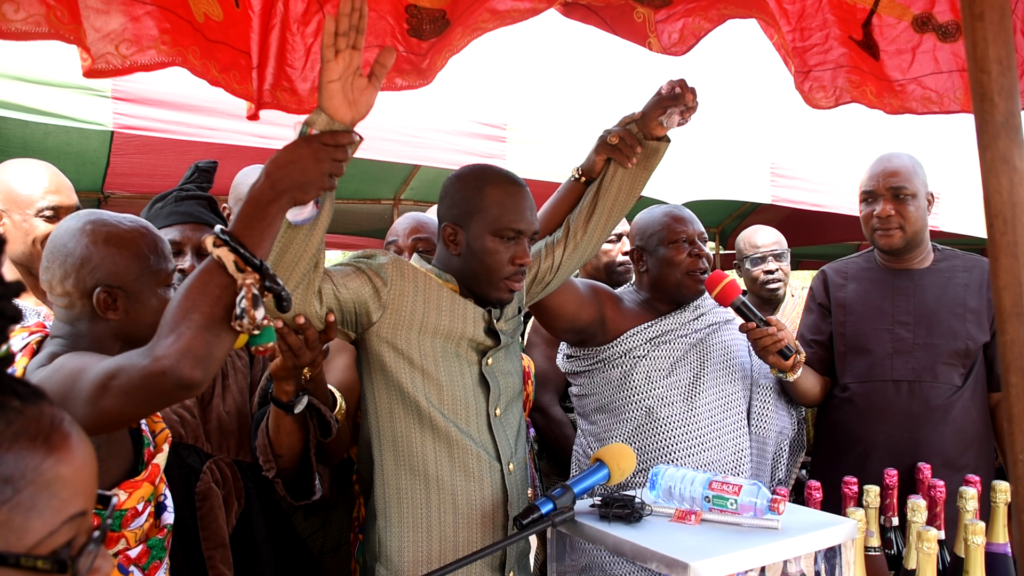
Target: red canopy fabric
x=898, y=56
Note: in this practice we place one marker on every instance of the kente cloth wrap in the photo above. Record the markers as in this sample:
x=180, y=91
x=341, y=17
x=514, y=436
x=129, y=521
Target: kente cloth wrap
x=140, y=530
x=684, y=389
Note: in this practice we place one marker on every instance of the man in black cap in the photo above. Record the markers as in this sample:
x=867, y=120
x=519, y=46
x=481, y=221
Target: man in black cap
x=184, y=215
x=219, y=422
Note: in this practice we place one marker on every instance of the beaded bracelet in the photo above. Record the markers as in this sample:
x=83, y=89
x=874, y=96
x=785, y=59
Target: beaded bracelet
x=270, y=283
x=250, y=316
x=798, y=368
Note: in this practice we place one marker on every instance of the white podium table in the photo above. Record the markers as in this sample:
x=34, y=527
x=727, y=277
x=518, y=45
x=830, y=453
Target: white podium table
x=708, y=549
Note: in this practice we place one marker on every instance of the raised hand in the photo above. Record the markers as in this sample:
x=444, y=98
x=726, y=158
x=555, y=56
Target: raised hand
x=303, y=170
x=346, y=95
x=615, y=143
x=684, y=100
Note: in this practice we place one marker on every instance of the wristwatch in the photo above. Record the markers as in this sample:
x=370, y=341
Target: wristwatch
x=339, y=404
x=577, y=175
x=295, y=406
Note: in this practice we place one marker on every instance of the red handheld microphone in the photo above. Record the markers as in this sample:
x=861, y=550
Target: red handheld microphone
x=727, y=292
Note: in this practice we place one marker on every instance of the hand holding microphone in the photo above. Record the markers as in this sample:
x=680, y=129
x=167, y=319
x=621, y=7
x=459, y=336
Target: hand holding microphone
x=771, y=340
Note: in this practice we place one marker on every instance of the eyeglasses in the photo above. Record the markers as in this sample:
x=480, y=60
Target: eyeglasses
x=760, y=260
x=63, y=561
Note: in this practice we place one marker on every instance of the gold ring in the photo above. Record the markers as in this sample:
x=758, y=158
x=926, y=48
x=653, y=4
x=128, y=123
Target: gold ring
x=612, y=139
x=306, y=374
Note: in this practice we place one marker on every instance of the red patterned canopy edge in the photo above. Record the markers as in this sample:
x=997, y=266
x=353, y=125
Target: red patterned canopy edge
x=898, y=56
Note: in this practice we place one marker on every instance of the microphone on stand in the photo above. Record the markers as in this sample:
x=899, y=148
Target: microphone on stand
x=727, y=292
x=608, y=466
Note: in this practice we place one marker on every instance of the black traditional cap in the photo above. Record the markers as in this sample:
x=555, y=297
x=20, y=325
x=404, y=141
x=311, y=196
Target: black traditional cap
x=189, y=202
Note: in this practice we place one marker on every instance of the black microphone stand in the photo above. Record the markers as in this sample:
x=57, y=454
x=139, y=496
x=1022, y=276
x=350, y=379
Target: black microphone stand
x=553, y=520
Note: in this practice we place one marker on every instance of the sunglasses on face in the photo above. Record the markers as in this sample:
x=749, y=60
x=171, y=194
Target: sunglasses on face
x=63, y=561
x=760, y=260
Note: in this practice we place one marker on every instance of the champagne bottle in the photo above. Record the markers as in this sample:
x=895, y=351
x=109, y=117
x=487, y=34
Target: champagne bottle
x=857, y=514
x=975, y=482
x=851, y=492
x=813, y=495
x=937, y=520
x=892, y=538
x=917, y=516
x=825, y=561
x=974, y=548
x=923, y=475
x=998, y=556
x=927, y=551
x=875, y=563
x=967, y=507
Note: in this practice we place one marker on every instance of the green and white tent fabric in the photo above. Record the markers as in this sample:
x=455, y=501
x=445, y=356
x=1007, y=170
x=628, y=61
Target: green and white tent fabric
x=533, y=98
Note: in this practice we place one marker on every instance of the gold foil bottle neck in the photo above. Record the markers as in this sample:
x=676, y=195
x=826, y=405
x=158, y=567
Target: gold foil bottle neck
x=974, y=533
x=872, y=496
x=917, y=511
x=967, y=499
x=858, y=515
x=974, y=548
x=927, y=541
x=1000, y=492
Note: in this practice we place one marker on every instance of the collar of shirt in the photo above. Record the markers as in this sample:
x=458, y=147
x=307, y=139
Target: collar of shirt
x=449, y=282
x=436, y=273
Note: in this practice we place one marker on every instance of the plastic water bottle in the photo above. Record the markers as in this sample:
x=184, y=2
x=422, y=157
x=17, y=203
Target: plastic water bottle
x=697, y=490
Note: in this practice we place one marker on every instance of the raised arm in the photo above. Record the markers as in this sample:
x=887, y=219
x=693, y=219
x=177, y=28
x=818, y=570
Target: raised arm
x=577, y=312
x=567, y=197
x=194, y=336
x=354, y=292
x=607, y=200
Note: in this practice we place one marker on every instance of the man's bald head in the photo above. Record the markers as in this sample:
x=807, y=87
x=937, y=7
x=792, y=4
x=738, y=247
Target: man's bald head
x=488, y=224
x=413, y=233
x=670, y=255
x=240, y=187
x=901, y=162
x=895, y=204
x=759, y=238
x=110, y=266
x=29, y=176
x=648, y=229
x=34, y=197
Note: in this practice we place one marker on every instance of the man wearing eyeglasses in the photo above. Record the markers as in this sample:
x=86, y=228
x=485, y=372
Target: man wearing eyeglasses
x=762, y=261
x=898, y=347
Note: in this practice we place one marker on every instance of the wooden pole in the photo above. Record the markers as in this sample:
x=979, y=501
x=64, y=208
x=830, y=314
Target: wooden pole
x=995, y=93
